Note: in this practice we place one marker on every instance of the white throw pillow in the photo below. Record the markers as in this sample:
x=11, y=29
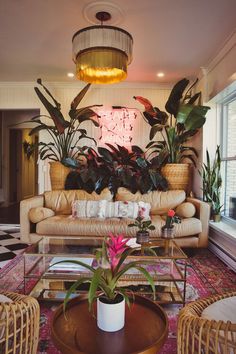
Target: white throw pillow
x=123, y=209
x=85, y=208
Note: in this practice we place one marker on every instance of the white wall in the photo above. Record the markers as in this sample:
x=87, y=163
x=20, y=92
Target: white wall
x=22, y=96
x=218, y=80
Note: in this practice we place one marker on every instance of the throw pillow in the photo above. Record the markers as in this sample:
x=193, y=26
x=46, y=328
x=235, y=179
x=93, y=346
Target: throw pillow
x=123, y=209
x=40, y=213
x=85, y=208
x=186, y=210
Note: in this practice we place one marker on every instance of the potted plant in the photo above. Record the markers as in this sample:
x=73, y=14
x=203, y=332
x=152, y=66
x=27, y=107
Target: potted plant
x=143, y=226
x=212, y=182
x=117, y=167
x=185, y=120
x=167, y=231
x=111, y=265
x=64, y=134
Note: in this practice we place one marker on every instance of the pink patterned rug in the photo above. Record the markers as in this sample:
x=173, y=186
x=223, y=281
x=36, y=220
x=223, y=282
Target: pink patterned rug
x=206, y=275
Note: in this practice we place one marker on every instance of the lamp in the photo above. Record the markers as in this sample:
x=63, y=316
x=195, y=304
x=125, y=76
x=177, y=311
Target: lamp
x=102, y=53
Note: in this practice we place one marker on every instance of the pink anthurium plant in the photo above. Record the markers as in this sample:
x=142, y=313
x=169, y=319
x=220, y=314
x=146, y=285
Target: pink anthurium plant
x=111, y=265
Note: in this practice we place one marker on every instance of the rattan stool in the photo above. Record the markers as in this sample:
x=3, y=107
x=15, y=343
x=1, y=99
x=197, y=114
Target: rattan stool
x=200, y=335
x=19, y=324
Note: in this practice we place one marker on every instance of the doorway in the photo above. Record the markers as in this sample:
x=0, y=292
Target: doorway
x=23, y=171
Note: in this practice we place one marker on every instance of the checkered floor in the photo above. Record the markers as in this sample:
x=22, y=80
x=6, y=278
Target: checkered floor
x=10, y=244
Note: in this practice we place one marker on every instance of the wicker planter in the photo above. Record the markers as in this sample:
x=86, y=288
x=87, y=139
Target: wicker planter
x=58, y=173
x=177, y=175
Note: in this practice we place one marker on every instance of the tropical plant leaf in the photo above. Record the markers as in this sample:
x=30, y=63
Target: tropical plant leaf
x=137, y=149
x=106, y=154
x=155, y=128
x=79, y=97
x=54, y=112
x=183, y=113
x=196, y=118
x=95, y=283
x=172, y=104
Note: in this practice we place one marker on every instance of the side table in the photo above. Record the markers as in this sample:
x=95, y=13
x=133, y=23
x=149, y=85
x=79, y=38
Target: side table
x=145, y=330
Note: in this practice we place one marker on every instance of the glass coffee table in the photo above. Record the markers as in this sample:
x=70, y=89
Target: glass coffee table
x=46, y=280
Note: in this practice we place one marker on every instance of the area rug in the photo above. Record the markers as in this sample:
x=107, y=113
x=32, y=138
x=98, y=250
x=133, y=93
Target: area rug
x=206, y=275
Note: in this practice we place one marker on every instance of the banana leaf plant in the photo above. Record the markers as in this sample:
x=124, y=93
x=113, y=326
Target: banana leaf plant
x=65, y=134
x=185, y=120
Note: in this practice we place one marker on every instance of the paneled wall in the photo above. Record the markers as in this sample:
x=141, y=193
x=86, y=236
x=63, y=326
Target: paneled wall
x=22, y=96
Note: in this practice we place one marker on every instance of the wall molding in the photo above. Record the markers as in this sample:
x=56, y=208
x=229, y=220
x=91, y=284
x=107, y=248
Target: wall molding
x=79, y=85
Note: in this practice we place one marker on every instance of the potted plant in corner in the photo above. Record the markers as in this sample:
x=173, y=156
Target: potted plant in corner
x=212, y=182
x=64, y=134
x=111, y=265
x=185, y=120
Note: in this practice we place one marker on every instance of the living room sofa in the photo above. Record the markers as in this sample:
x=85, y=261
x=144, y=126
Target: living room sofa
x=58, y=220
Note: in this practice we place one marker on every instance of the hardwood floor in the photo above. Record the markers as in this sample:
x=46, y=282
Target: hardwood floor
x=10, y=214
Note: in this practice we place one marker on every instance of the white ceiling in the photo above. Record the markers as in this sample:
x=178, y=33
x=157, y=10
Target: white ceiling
x=174, y=36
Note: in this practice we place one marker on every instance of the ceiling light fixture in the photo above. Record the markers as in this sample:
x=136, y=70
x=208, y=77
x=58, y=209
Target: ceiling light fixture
x=102, y=53
x=160, y=74
x=70, y=74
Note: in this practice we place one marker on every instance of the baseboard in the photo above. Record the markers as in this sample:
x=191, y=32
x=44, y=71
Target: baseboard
x=223, y=255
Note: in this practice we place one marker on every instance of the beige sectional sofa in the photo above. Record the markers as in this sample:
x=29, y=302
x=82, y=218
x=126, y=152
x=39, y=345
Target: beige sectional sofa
x=57, y=220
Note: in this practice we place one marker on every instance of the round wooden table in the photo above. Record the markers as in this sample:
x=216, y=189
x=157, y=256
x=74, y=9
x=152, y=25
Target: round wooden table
x=145, y=330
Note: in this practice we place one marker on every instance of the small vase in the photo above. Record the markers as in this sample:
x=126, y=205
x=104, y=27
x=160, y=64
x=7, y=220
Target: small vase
x=167, y=232
x=110, y=316
x=142, y=236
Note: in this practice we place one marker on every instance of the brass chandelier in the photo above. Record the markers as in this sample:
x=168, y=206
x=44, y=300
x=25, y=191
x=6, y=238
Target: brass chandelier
x=102, y=53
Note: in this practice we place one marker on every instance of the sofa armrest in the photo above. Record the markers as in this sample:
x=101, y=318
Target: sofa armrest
x=203, y=213
x=25, y=206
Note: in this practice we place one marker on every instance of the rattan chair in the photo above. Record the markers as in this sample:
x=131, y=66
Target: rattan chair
x=19, y=324
x=199, y=335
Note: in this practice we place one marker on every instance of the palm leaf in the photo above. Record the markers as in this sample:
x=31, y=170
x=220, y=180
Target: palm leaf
x=79, y=97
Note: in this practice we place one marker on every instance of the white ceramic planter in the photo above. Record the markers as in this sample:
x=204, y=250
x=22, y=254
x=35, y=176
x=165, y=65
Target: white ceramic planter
x=110, y=317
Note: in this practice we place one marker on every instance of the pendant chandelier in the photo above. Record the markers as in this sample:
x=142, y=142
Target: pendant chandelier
x=102, y=53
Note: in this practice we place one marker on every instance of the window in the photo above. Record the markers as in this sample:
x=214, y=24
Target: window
x=228, y=145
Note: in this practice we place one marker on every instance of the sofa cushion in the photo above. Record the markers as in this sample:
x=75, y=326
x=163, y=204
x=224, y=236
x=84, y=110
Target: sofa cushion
x=40, y=213
x=66, y=225
x=61, y=201
x=188, y=227
x=185, y=210
x=160, y=202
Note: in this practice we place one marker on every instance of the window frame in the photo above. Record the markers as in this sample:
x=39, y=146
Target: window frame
x=224, y=145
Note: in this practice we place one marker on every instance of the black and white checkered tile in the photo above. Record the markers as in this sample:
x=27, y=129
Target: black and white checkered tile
x=10, y=244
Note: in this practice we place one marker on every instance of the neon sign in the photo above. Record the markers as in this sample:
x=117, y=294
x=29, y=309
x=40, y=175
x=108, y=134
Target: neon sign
x=117, y=125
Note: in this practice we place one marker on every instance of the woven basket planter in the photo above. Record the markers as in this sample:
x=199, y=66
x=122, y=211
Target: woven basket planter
x=19, y=324
x=177, y=175
x=58, y=173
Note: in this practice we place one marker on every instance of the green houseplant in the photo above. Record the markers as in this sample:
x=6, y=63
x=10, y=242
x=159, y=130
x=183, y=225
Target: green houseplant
x=212, y=182
x=185, y=120
x=116, y=166
x=143, y=227
x=65, y=135
x=105, y=275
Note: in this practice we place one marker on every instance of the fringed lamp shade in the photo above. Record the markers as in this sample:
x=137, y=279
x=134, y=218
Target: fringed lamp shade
x=102, y=54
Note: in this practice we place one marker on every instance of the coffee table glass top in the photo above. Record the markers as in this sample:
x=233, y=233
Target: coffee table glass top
x=87, y=246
